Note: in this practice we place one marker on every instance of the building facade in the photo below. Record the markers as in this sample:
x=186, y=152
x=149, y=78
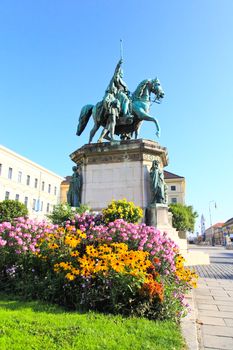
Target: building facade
x=176, y=187
x=29, y=183
x=227, y=229
x=214, y=235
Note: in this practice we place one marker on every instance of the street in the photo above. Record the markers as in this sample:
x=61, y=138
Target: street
x=221, y=262
x=213, y=300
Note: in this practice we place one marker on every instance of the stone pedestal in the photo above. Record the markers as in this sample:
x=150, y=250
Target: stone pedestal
x=118, y=170
x=158, y=215
x=121, y=170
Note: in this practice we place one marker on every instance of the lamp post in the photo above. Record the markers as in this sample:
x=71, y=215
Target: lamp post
x=212, y=233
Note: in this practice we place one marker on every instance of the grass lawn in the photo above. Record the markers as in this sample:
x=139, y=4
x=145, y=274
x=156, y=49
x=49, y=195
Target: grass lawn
x=38, y=326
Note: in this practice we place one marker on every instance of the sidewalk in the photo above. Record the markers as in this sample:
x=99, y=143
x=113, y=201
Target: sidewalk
x=210, y=324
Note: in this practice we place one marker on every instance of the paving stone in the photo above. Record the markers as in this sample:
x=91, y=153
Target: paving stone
x=218, y=342
x=202, y=292
x=213, y=285
x=229, y=322
x=215, y=302
x=218, y=330
x=215, y=321
x=218, y=292
x=226, y=307
x=222, y=314
x=208, y=307
x=210, y=348
x=220, y=297
x=205, y=297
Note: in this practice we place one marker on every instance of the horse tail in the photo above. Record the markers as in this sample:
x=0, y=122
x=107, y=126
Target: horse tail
x=84, y=117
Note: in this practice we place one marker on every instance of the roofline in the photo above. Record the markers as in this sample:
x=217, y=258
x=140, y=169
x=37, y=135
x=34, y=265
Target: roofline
x=30, y=161
x=172, y=175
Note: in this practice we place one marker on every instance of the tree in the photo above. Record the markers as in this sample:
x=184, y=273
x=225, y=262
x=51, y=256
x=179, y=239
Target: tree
x=184, y=216
x=10, y=209
x=64, y=212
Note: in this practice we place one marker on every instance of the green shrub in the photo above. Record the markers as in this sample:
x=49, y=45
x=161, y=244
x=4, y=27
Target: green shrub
x=183, y=217
x=64, y=212
x=10, y=209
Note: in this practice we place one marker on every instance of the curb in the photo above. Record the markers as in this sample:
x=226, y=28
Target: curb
x=189, y=326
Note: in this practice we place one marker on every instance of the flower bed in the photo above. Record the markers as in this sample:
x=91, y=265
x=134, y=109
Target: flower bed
x=115, y=267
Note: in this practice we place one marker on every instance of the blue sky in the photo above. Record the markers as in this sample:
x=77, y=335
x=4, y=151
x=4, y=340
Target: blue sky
x=58, y=55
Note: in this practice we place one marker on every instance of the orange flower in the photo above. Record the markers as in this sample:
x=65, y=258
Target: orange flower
x=151, y=289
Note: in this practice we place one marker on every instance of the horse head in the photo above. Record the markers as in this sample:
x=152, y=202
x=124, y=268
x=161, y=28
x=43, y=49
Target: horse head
x=157, y=89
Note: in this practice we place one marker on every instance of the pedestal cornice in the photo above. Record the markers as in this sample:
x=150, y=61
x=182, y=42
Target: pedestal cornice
x=132, y=150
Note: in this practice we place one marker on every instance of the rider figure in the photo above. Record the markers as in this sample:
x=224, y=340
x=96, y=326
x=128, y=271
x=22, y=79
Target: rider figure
x=118, y=87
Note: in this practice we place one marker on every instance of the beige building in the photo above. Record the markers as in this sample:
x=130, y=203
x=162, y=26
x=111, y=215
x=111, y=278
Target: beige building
x=64, y=189
x=23, y=180
x=227, y=228
x=176, y=187
x=213, y=234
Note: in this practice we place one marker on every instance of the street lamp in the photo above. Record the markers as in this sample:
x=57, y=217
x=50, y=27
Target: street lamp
x=212, y=234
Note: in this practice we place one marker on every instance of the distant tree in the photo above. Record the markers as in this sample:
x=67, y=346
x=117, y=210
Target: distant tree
x=184, y=217
x=64, y=212
x=10, y=209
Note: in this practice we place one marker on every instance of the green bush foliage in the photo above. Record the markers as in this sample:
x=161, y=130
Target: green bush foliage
x=64, y=212
x=11, y=209
x=184, y=217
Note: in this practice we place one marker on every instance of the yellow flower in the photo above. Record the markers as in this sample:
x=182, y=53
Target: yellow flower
x=70, y=277
x=74, y=254
x=118, y=266
x=72, y=241
x=53, y=246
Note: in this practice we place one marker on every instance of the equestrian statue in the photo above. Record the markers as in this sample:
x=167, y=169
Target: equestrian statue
x=120, y=112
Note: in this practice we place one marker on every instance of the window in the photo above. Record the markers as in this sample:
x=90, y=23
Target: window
x=41, y=208
x=0, y=169
x=17, y=197
x=36, y=183
x=49, y=188
x=34, y=204
x=173, y=188
x=20, y=176
x=26, y=201
x=7, y=195
x=10, y=170
x=47, y=209
x=42, y=186
x=173, y=200
x=55, y=190
x=28, y=180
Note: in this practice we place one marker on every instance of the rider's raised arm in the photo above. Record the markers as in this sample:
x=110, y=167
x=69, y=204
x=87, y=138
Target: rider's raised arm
x=118, y=66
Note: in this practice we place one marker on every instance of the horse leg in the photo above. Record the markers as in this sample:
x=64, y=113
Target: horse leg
x=142, y=115
x=136, y=132
x=93, y=131
x=103, y=133
x=112, y=125
x=107, y=137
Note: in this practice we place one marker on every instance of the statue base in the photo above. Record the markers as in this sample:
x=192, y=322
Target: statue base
x=117, y=170
x=158, y=215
